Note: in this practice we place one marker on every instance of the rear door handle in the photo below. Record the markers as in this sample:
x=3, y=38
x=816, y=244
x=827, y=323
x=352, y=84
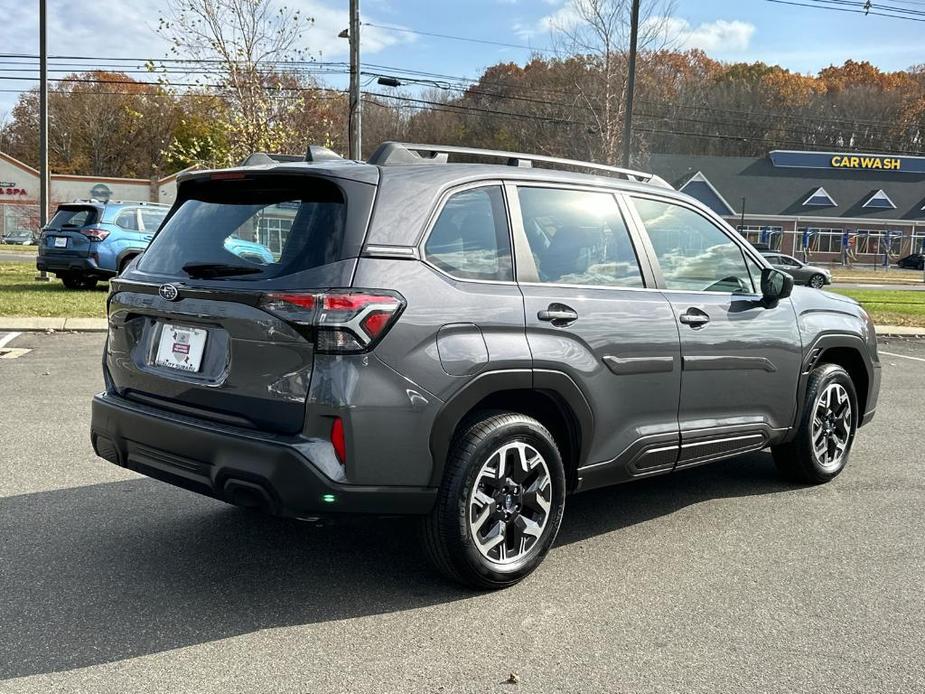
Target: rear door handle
x=558, y=314
x=695, y=318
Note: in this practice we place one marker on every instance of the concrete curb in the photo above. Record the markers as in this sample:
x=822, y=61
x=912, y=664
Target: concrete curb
x=58, y=324
x=98, y=325
x=899, y=331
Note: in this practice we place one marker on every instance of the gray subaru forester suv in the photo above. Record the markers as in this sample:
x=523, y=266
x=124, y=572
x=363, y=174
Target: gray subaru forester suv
x=468, y=342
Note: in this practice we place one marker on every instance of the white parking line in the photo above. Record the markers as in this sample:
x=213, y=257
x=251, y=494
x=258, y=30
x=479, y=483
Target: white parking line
x=902, y=356
x=8, y=338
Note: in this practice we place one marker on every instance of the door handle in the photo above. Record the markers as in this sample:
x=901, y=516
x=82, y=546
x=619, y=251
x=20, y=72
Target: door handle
x=558, y=314
x=695, y=318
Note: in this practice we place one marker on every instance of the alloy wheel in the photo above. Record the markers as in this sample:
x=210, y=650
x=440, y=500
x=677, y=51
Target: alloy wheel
x=832, y=423
x=509, y=503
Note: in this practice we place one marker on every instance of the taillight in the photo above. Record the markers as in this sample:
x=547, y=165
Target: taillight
x=340, y=320
x=95, y=234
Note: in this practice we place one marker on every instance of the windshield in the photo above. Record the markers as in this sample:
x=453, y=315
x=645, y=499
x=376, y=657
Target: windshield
x=250, y=229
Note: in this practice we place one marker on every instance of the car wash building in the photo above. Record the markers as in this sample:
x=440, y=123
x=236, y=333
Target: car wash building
x=822, y=206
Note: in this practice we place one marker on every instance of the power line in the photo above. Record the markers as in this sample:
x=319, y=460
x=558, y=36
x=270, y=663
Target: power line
x=468, y=39
x=815, y=4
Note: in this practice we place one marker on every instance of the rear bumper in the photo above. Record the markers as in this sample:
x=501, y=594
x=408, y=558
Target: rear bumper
x=63, y=263
x=239, y=466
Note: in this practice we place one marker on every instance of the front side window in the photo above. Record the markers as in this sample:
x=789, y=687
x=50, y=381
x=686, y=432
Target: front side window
x=470, y=238
x=694, y=254
x=578, y=237
x=152, y=218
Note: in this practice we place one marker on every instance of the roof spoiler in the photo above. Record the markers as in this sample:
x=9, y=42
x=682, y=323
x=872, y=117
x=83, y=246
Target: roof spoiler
x=397, y=153
x=313, y=153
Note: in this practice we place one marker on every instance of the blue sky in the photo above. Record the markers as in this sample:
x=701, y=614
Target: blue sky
x=801, y=39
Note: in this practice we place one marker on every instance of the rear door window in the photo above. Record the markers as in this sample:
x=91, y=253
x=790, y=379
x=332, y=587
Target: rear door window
x=471, y=238
x=128, y=219
x=251, y=229
x=578, y=237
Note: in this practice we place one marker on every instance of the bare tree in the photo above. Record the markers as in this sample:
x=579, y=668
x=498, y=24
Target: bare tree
x=598, y=31
x=245, y=49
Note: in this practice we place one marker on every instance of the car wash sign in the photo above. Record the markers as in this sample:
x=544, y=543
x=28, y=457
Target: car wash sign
x=848, y=161
x=9, y=189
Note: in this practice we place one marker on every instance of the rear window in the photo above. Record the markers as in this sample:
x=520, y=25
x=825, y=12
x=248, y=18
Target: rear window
x=264, y=226
x=73, y=217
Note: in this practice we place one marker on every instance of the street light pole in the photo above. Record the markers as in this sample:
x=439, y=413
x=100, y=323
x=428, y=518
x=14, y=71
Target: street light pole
x=354, y=136
x=630, y=85
x=43, y=124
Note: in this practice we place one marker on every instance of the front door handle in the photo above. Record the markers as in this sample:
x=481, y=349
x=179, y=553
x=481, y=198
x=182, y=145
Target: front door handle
x=695, y=318
x=558, y=314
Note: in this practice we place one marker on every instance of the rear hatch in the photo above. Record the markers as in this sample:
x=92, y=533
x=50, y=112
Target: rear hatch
x=217, y=319
x=69, y=231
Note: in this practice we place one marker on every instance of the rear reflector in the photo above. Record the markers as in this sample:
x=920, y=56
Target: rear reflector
x=339, y=321
x=338, y=441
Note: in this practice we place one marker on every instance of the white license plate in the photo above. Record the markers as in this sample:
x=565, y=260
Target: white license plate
x=181, y=348
x=60, y=241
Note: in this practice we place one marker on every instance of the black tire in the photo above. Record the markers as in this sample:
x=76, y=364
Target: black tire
x=125, y=263
x=817, y=281
x=798, y=460
x=75, y=281
x=448, y=540
x=71, y=281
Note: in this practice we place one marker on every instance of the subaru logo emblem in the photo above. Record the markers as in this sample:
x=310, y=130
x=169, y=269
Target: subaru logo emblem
x=168, y=292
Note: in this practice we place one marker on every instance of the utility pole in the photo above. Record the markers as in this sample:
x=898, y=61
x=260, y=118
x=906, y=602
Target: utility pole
x=742, y=220
x=630, y=85
x=354, y=146
x=43, y=124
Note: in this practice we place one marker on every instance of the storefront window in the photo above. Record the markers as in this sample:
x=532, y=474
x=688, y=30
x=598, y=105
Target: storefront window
x=821, y=240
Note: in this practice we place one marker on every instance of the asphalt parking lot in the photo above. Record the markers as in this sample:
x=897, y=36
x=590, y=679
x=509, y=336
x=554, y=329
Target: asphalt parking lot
x=717, y=579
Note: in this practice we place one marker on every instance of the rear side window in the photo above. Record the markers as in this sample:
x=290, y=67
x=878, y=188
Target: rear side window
x=73, y=217
x=250, y=229
x=578, y=237
x=470, y=238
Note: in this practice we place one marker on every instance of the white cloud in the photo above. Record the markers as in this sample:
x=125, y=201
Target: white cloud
x=720, y=36
x=563, y=17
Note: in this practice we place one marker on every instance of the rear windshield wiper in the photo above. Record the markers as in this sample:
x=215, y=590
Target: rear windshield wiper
x=207, y=270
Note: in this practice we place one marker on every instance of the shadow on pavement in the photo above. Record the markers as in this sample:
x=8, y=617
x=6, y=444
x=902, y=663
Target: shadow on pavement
x=112, y=571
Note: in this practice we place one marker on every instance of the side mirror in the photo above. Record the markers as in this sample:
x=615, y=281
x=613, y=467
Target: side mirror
x=775, y=285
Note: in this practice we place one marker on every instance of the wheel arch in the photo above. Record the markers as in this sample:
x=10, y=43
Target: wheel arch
x=844, y=350
x=126, y=257
x=550, y=397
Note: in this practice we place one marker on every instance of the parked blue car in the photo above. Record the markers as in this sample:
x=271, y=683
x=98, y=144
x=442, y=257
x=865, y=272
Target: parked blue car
x=88, y=241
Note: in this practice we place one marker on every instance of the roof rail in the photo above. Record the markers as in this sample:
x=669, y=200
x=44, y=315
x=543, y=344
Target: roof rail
x=312, y=153
x=392, y=153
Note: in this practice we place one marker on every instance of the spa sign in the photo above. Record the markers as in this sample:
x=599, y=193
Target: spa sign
x=8, y=189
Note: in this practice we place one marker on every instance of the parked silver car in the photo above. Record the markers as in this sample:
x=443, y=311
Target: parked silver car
x=810, y=275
